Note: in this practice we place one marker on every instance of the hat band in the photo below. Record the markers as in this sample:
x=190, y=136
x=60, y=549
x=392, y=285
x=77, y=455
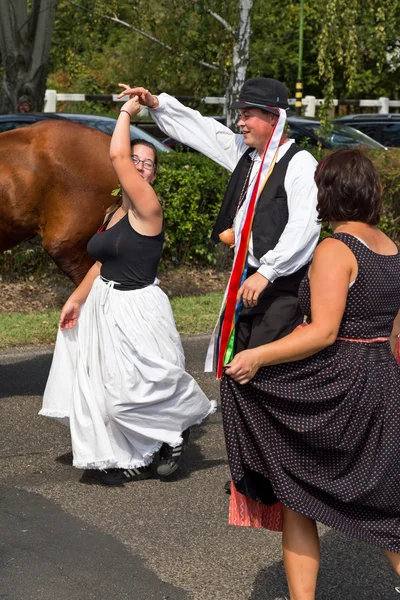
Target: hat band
x=260, y=105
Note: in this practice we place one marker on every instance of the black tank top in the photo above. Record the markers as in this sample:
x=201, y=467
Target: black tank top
x=128, y=257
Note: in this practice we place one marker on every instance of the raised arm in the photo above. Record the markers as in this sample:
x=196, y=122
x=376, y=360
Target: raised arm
x=142, y=198
x=188, y=126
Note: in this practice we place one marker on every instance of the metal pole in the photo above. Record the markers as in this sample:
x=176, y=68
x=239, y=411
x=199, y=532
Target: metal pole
x=299, y=84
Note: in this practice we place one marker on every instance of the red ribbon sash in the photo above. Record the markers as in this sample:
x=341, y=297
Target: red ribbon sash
x=236, y=277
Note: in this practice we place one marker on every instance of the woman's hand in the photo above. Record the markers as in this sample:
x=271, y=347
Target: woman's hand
x=145, y=97
x=69, y=314
x=244, y=366
x=132, y=106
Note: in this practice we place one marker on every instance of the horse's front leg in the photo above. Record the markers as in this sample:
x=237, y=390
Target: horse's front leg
x=70, y=257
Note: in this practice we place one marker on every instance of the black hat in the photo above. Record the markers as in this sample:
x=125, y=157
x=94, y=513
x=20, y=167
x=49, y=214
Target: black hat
x=262, y=93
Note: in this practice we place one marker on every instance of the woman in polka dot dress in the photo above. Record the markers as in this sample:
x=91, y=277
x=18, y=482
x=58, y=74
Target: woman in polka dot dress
x=315, y=437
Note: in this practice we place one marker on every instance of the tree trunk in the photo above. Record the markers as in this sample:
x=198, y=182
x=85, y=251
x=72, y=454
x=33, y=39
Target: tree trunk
x=240, y=58
x=25, y=39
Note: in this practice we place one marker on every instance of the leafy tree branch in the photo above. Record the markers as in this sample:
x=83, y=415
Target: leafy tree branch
x=118, y=21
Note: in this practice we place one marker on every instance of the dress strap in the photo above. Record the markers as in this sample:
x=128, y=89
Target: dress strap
x=108, y=219
x=360, y=250
x=350, y=240
x=359, y=247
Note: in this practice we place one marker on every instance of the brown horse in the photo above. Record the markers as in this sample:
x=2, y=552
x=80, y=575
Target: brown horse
x=56, y=181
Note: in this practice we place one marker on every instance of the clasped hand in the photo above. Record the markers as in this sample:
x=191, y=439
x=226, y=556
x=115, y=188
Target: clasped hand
x=244, y=366
x=133, y=105
x=143, y=96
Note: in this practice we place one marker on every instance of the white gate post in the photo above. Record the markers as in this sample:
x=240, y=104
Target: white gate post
x=310, y=102
x=50, y=101
x=384, y=108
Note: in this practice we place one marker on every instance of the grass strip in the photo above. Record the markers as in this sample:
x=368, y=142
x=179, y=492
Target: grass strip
x=193, y=315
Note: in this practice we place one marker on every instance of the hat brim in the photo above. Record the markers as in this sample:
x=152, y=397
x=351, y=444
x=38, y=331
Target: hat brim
x=243, y=104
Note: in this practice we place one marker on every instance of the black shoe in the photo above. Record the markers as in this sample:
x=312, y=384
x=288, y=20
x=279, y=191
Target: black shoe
x=227, y=486
x=170, y=457
x=121, y=476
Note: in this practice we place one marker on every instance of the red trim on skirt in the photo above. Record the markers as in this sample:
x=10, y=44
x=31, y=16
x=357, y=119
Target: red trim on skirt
x=245, y=512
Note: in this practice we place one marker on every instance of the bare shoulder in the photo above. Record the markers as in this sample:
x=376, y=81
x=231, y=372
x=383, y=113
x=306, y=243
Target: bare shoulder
x=330, y=246
x=332, y=255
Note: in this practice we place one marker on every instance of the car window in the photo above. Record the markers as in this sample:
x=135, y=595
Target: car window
x=301, y=138
x=369, y=129
x=391, y=134
x=342, y=136
x=9, y=125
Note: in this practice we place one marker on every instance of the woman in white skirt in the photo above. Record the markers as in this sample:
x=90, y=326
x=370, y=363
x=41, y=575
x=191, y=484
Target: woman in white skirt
x=118, y=374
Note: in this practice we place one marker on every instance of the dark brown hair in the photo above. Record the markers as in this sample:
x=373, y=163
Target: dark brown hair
x=348, y=188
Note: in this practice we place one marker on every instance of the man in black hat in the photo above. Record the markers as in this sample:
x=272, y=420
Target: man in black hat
x=285, y=230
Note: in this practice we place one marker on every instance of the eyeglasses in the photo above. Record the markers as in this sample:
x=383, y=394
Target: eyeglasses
x=147, y=163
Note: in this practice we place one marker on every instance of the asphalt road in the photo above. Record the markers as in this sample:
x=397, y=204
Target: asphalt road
x=63, y=539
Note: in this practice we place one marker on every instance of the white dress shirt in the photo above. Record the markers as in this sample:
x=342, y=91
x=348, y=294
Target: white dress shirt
x=300, y=236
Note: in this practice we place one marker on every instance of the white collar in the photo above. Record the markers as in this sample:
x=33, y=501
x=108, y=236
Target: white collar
x=281, y=152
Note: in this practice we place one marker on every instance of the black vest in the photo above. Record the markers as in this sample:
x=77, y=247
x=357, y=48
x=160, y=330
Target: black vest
x=271, y=214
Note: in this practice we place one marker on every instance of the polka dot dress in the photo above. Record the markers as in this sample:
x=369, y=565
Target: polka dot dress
x=321, y=435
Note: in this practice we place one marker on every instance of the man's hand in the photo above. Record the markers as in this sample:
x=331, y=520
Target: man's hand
x=251, y=289
x=145, y=97
x=244, y=366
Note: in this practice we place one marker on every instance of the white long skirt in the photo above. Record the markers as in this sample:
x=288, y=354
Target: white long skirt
x=118, y=378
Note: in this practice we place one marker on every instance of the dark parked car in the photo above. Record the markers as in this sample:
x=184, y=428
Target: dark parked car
x=105, y=124
x=384, y=128
x=8, y=122
x=307, y=132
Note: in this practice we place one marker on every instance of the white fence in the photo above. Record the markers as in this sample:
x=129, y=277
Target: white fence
x=383, y=104
x=52, y=97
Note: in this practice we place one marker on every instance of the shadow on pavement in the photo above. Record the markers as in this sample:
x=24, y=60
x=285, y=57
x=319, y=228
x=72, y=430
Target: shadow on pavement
x=350, y=570
x=193, y=459
x=24, y=377
x=46, y=554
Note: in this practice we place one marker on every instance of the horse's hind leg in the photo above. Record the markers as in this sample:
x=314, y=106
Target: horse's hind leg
x=71, y=258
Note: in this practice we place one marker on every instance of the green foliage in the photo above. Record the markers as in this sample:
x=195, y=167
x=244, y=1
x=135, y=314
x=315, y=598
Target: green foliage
x=191, y=188
x=91, y=54
x=390, y=224
x=358, y=44
x=388, y=166
x=25, y=261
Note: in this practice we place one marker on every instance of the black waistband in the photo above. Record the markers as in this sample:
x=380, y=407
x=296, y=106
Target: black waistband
x=124, y=287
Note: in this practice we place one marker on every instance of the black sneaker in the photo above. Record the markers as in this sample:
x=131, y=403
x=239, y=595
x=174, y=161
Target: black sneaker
x=170, y=457
x=121, y=476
